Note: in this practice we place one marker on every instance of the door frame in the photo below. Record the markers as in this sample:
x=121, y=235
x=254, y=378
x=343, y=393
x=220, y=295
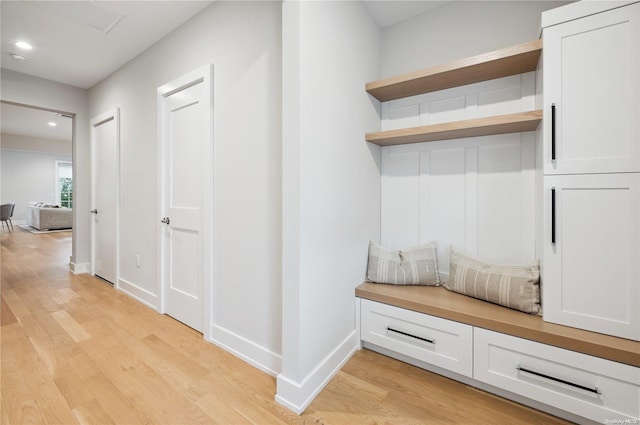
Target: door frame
x=112, y=114
x=74, y=267
x=202, y=75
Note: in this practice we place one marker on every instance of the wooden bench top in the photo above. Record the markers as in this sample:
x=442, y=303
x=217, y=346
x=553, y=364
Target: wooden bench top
x=437, y=301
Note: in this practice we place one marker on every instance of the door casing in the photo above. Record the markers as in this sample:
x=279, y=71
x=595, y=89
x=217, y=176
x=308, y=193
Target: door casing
x=202, y=75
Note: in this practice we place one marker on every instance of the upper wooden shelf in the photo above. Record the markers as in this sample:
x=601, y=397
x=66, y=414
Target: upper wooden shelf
x=437, y=301
x=499, y=124
x=487, y=66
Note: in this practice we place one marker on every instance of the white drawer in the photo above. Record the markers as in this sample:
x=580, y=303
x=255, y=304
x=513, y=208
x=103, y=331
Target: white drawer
x=437, y=341
x=587, y=386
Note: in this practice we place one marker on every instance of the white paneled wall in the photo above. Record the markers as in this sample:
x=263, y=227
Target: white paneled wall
x=476, y=193
x=494, y=97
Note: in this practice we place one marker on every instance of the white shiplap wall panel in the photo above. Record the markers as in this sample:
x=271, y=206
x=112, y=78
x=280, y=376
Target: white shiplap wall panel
x=476, y=194
x=495, y=97
x=442, y=192
x=405, y=115
x=499, y=192
x=444, y=110
x=400, y=205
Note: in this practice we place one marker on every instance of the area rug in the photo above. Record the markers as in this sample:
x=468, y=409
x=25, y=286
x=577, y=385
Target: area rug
x=36, y=231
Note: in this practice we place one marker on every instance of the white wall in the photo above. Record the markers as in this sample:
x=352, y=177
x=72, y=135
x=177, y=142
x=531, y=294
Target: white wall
x=33, y=91
x=242, y=41
x=457, y=30
x=28, y=176
x=331, y=187
x=34, y=144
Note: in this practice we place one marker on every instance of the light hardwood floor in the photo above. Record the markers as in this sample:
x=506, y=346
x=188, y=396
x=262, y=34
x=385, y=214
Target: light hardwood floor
x=75, y=351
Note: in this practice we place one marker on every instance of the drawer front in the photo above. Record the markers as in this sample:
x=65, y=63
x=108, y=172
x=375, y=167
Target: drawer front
x=587, y=386
x=437, y=341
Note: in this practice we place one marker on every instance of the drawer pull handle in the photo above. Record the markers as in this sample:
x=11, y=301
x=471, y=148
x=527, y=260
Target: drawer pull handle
x=594, y=390
x=430, y=341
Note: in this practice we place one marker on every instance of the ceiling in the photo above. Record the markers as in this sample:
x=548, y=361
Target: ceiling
x=34, y=122
x=80, y=43
x=391, y=12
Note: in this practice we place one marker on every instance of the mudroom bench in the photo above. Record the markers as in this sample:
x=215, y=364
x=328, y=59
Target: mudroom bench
x=572, y=373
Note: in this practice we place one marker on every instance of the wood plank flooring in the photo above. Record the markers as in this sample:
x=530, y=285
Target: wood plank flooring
x=75, y=351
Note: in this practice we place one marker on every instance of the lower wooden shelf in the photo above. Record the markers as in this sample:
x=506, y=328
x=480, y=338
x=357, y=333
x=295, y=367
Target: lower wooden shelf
x=499, y=124
x=437, y=301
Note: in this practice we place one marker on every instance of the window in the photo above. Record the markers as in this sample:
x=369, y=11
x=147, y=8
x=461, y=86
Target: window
x=64, y=184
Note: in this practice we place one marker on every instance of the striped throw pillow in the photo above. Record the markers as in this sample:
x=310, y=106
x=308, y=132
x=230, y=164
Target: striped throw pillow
x=516, y=287
x=415, y=266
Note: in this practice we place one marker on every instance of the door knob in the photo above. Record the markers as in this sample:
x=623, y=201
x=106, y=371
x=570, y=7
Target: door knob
x=94, y=211
x=165, y=220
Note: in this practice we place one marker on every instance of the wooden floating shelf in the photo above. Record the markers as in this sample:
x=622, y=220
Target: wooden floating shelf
x=487, y=66
x=499, y=124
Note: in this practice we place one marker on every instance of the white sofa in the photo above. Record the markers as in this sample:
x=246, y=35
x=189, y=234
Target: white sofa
x=45, y=217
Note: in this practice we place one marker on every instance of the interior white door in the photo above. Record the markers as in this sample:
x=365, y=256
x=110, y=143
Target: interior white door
x=104, y=202
x=186, y=162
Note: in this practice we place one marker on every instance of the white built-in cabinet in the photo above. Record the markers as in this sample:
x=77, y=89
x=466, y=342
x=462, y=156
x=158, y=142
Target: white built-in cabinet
x=588, y=233
x=592, y=93
x=591, y=162
x=583, y=387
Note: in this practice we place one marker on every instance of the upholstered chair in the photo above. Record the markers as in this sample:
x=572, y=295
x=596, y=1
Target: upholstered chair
x=6, y=212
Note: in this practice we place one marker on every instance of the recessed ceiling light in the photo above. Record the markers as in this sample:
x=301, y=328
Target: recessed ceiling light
x=24, y=45
x=52, y=124
x=18, y=57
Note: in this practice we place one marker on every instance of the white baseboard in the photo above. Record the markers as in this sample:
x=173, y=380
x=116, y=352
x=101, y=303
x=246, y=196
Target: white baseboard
x=296, y=396
x=79, y=268
x=147, y=298
x=252, y=353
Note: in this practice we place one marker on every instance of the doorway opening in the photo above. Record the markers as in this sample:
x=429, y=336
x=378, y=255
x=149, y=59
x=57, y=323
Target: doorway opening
x=36, y=157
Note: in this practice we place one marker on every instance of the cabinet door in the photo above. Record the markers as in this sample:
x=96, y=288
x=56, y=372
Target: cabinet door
x=591, y=261
x=592, y=95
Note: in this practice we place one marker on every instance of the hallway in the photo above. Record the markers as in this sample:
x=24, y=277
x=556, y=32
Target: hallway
x=75, y=351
